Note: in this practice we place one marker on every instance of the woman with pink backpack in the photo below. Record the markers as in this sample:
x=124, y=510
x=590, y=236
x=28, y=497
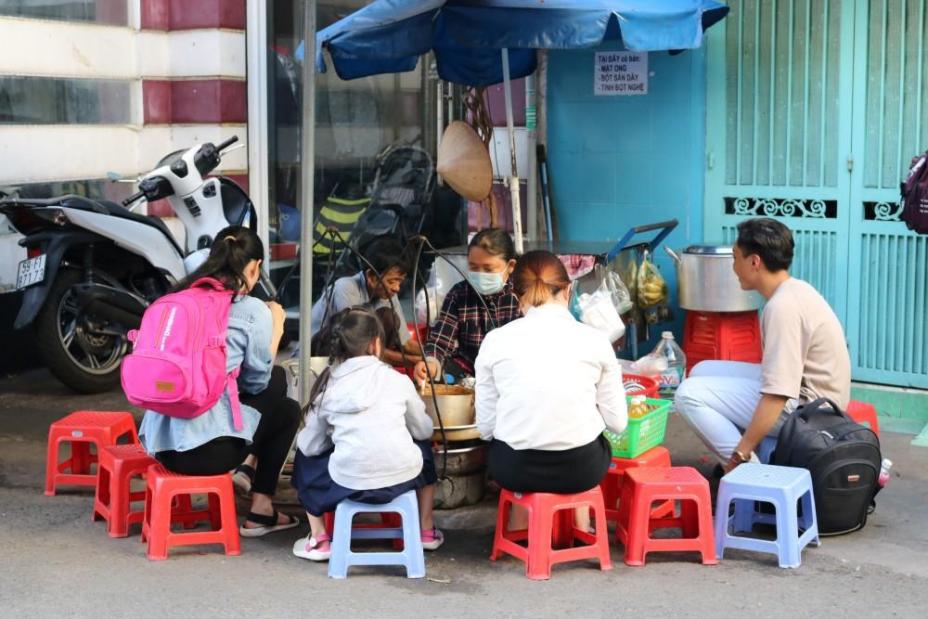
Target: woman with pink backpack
x=195, y=434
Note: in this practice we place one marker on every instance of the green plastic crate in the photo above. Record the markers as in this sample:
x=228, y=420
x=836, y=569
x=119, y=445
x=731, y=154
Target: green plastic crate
x=642, y=433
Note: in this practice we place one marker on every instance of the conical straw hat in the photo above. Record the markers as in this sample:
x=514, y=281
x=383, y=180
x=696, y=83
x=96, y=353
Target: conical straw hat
x=464, y=163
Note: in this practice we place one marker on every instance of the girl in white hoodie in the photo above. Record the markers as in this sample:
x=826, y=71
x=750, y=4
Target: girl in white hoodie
x=366, y=436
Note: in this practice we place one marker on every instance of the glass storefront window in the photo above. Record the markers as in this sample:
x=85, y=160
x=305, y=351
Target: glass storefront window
x=96, y=188
x=57, y=101
x=375, y=144
x=112, y=12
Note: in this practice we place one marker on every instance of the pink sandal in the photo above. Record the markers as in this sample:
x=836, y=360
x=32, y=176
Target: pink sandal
x=313, y=548
x=432, y=539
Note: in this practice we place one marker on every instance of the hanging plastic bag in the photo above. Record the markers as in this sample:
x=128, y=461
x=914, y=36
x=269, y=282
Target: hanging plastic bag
x=652, y=289
x=621, y=298
x=436, y=289
x=598, y=310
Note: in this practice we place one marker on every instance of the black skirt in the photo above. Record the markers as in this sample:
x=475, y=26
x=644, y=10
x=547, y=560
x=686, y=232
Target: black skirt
x=319, y=493
x=560, y=472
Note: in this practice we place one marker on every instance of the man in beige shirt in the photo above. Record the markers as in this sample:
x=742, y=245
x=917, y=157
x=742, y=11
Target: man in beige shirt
x=731, y=405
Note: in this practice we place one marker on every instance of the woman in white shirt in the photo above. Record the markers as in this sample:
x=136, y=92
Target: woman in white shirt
x=547, y=387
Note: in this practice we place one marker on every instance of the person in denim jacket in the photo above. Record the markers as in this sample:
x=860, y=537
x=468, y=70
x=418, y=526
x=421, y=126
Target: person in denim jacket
x=209, y=444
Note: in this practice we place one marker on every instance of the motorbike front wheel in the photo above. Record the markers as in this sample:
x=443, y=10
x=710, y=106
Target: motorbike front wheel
x=77, y=347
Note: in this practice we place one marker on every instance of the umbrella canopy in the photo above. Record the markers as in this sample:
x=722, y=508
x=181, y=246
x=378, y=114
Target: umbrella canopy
x=388, y=36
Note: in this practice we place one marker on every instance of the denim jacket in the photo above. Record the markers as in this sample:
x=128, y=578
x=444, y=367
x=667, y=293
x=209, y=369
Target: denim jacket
x=248, y=342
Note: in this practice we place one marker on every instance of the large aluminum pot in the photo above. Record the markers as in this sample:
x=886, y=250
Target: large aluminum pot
x=707, y=282
x=458, y=414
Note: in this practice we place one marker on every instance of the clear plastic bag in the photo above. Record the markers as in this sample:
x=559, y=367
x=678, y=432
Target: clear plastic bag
x=598, y=311
x=436, y=289
x=621, y=298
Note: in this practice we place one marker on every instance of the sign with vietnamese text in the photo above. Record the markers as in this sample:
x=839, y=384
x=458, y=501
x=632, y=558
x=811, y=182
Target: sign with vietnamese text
x=620, y=73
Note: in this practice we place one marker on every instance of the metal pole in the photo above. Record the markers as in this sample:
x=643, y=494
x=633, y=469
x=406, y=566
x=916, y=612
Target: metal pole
x=531, y=193
x=307, y=188
x=514, y=179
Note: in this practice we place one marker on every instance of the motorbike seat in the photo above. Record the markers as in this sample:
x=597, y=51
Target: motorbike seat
x=106, y=207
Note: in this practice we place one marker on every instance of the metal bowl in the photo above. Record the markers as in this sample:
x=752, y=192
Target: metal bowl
x=458, y=415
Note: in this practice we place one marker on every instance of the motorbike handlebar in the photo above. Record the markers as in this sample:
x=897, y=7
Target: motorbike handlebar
x=227, y=143
x=136, y=196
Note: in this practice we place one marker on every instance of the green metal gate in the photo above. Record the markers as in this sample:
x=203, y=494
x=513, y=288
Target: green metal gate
x=814, y=110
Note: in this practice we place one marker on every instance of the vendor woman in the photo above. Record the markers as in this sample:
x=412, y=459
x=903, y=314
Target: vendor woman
x=547, y=387
x=464, y=320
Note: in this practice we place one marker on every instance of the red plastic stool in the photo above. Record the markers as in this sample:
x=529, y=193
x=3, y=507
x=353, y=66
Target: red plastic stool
x=116, y=466
x=864, y=413
x=162, y=486
x=644, y=486
x=82, y=428
x=611, y=485
x=546, y=513
x=388, y=520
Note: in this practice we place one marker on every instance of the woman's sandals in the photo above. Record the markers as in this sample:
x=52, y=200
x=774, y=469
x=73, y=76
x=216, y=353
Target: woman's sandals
x=268, y=524
x=243, y=477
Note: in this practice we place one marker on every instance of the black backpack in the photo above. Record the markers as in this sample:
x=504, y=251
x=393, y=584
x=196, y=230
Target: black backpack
x=842, y=456
x=915, y=195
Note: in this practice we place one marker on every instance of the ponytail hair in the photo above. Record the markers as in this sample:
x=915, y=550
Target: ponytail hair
x=232, y=249
x=350, y=333
x=538, y=276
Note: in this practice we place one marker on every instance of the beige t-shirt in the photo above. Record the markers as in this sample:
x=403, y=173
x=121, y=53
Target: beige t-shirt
x=805, y=353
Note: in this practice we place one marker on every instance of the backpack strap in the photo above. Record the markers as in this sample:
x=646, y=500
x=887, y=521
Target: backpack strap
x=234, y=401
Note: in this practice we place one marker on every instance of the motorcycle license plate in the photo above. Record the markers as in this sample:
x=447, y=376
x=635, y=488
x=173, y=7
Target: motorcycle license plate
x=31, y=271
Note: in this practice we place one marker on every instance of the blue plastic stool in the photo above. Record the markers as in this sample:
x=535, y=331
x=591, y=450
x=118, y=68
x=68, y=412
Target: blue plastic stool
x=780, y=485
x=412, y=555
x=765, y=450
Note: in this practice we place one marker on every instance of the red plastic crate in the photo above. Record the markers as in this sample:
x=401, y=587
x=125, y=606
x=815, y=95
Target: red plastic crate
x=732, y=336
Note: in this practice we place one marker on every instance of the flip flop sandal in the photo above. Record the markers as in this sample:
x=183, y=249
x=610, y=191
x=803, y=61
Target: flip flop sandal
x=243, y=477
x=269, y=524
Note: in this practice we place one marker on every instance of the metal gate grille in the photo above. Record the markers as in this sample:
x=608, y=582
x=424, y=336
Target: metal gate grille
x=888, y=286
x=782, y=120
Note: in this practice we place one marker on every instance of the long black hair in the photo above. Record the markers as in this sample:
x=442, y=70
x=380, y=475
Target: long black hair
x=233, y=248
x=350, y=334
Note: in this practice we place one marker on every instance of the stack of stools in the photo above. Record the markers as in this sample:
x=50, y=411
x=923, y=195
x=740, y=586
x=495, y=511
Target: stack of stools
x=611, y=485
x=411, y=556
x=734, y=336
x=550, y=516
x=644, y=486
x=82, y=429
x=783, y=487
x=162, y=489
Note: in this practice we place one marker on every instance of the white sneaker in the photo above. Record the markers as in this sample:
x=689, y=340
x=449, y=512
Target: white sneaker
x=313, y=548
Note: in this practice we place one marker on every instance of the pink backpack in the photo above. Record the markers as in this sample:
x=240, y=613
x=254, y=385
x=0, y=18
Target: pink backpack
x=178, y=362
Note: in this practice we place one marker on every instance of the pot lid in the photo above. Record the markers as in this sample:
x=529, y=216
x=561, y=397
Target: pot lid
x=709, y=250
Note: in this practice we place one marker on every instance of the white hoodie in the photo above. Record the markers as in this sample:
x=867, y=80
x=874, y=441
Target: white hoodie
x=371, y=413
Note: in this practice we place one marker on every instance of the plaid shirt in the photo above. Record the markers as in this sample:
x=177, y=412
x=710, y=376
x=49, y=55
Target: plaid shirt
x=464, y=322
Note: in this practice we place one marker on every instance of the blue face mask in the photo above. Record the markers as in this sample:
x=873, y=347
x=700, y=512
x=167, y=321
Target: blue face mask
x=486, y=283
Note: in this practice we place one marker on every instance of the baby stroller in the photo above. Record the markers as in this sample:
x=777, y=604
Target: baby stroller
x=400, y=195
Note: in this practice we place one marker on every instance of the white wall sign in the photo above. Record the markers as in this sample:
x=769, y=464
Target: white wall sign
x=620, y=73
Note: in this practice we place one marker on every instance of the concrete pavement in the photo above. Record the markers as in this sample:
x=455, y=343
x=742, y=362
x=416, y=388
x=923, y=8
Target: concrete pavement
x=55, y=561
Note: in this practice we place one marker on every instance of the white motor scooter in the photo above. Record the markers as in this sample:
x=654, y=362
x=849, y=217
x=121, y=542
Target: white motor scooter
x=93, y=266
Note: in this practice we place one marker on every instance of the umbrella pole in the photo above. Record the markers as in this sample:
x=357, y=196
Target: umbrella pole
x=307, y=189
x=514, y=178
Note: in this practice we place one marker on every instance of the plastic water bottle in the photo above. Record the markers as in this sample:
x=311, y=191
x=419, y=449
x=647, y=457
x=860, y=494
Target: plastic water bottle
x=884, y=472
x=668, y=349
